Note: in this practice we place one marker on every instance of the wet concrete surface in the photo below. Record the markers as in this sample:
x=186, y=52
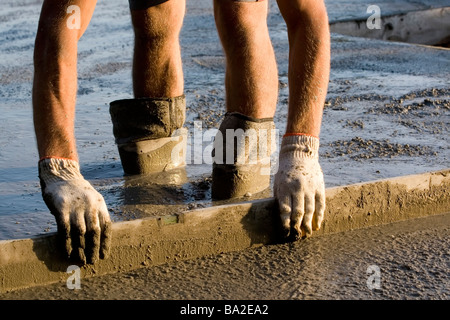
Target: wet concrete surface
x=386, y=115
x=402, y=260
x=227, y=228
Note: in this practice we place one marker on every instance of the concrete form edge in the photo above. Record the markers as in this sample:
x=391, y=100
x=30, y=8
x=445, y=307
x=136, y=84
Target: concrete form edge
x=192, y=234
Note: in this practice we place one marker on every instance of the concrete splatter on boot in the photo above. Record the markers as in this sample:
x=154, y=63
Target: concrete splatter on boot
x=241, y=157
x=149, y=133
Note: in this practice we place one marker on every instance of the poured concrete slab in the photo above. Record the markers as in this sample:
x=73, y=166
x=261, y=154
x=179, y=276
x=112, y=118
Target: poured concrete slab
x=406, y=260
x=202, y=232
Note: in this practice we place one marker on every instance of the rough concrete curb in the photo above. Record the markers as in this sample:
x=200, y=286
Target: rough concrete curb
x=192, y=234
x=428, y=27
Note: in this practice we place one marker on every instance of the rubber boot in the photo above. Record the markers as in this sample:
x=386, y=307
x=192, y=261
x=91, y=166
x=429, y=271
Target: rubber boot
x=241, y=156
x=149, y=133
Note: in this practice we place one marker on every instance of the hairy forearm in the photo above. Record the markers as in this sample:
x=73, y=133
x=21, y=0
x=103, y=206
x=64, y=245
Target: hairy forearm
x=54, y=96
x=309, y=67
x=54, y=136
x=55, y=77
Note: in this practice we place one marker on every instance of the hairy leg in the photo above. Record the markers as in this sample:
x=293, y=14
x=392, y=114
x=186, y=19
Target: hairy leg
x=251, y=72
x=157, y=66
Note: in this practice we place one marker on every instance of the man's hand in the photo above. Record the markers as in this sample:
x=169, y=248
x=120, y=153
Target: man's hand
x=81, y=214
x=299, y=186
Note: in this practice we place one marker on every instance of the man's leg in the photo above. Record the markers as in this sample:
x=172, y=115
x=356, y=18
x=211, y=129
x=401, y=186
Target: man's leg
x=251, y=83
x=251, y=72
x=157, y=67
x=149, y=129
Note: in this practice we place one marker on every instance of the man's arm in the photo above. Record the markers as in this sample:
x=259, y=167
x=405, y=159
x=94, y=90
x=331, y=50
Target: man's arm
x=80, y=211
x=299, y=185
x=55, y=82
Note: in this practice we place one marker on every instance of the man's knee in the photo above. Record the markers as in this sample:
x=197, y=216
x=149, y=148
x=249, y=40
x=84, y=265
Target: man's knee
x=237, y=17
x=157, y=19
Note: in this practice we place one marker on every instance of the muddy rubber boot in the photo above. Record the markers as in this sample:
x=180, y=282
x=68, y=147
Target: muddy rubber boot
x=149, y=133
x=241, y=157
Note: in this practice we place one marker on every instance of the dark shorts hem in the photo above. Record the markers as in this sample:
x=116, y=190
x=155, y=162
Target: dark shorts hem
x=144, y=4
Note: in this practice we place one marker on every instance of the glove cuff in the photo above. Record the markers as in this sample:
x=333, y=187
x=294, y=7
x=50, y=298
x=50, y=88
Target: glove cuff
x=300, y=146
x=58, y=169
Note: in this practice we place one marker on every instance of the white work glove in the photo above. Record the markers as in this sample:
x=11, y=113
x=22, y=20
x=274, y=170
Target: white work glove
x=82, y=217
x=299, y=187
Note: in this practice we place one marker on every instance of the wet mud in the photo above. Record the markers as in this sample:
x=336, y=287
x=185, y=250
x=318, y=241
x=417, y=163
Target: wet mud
x=412, y=258
x=359, y=149
x=386, y=112
x=188, y=235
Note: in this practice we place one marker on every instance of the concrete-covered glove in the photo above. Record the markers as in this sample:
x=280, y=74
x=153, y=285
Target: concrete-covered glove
x=82, y=217
x=299, y=185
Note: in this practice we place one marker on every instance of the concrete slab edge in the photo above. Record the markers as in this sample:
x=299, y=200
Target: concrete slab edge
x=427, y=27
x=202, y=232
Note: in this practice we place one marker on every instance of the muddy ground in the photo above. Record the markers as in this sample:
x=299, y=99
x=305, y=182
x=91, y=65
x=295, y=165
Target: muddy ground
x=411, y=258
